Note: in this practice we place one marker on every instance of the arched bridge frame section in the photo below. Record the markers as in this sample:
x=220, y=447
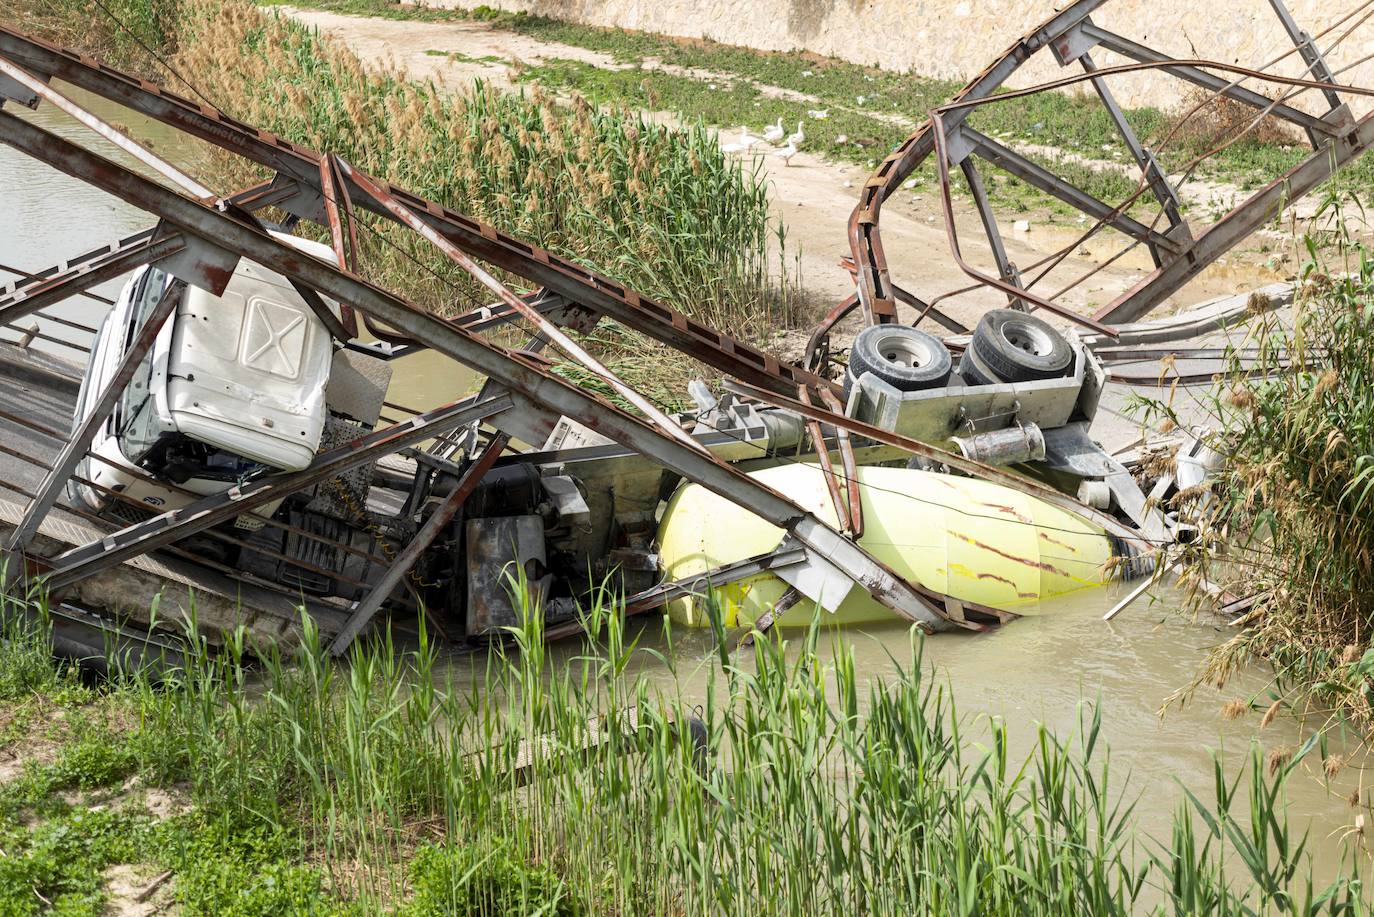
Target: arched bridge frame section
x=1180, y=250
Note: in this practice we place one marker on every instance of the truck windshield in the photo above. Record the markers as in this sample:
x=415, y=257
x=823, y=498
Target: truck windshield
x=137, y=418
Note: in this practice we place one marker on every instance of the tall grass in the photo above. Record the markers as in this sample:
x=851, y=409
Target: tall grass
x=787, y=788
x=81, y=24
x=1291, y=522
x=657, y=208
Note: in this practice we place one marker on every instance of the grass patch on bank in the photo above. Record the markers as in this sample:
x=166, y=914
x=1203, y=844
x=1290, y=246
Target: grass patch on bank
x=387, y=783
x=846, y=135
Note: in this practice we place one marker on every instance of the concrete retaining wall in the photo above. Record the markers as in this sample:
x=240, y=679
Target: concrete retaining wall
x=955, y=39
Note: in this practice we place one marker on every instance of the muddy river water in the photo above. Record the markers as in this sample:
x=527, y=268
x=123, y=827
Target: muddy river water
x=1036, y=670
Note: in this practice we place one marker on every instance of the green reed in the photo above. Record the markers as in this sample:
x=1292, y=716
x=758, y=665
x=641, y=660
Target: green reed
x=654, y=207
x=785, y=786
x=1289, y=521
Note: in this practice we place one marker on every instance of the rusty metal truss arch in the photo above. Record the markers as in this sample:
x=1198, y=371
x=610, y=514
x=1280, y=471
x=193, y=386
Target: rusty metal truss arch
x=1179, y=250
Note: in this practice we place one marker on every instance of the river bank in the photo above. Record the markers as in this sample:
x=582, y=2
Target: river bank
x=567, y=783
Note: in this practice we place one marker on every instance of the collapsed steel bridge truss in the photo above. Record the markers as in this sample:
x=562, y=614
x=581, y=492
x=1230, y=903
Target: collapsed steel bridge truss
x=1180, y=249
x=200, y=237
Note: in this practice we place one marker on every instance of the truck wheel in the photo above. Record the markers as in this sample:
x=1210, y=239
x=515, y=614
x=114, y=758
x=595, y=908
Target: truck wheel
x=972, y=370
x=1016, y=347
x=907, y=359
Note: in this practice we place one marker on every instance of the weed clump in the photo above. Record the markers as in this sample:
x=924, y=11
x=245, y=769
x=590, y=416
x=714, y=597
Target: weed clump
x=460, y=879
x=1289, y=526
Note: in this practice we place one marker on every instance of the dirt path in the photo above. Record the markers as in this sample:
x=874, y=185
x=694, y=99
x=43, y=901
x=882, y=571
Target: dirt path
x=812, y=195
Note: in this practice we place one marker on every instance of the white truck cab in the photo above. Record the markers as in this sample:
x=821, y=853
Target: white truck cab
x=234, y=385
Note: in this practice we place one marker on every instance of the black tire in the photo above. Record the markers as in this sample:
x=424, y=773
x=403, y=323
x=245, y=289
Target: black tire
x=973, y=372
x=1016, y=347
x=907, y=359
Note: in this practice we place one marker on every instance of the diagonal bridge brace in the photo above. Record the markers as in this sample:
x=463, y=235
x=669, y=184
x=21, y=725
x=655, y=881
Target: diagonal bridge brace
x=576, y=283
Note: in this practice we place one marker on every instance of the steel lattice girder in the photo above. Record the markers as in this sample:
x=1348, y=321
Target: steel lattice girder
x=302, y=180
x=171, y=526
x=576, y=283
x=27, y=297
x=80, y=439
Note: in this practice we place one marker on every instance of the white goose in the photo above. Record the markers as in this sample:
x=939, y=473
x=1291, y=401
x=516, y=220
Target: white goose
x=786, y=153
x=799, y=137
x=747, y=142
x=773, y=133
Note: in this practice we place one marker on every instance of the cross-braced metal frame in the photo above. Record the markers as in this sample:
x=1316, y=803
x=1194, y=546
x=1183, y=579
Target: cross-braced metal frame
x=1179, y=249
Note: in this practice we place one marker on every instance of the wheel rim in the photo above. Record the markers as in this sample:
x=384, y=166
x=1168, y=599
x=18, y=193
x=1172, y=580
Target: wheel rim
x=1028, y=338
x=902, y=351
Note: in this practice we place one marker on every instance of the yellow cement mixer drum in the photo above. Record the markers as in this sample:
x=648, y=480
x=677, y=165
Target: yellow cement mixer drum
x=974, y=540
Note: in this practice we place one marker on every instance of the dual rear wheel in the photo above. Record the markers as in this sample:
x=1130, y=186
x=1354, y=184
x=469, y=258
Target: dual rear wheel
x=1007, y=346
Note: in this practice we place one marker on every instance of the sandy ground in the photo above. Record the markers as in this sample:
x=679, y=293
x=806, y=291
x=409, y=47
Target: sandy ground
x=814, y=196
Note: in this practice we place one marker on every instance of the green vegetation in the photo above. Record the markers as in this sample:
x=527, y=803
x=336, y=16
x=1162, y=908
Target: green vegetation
x=754, y=88
x=1291, y=524
x=659, y=209
x=389, y=784
x=656, y=208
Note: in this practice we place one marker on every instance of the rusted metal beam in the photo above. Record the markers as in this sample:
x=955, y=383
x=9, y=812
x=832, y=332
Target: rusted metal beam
x=813, y=429
x=1149, y=166
x=344, y=239
x=121, y=140
x=851, y=467
x=363, y=611
x=1239, y=223
x=865, y=236
x=117, y=261
x=1011, y=290
x=1039, y=177
x=30, y=277
x=573, y=281
x=546, y=328
x=1005, y=269
x=1311, y=56
x=1211, y=82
